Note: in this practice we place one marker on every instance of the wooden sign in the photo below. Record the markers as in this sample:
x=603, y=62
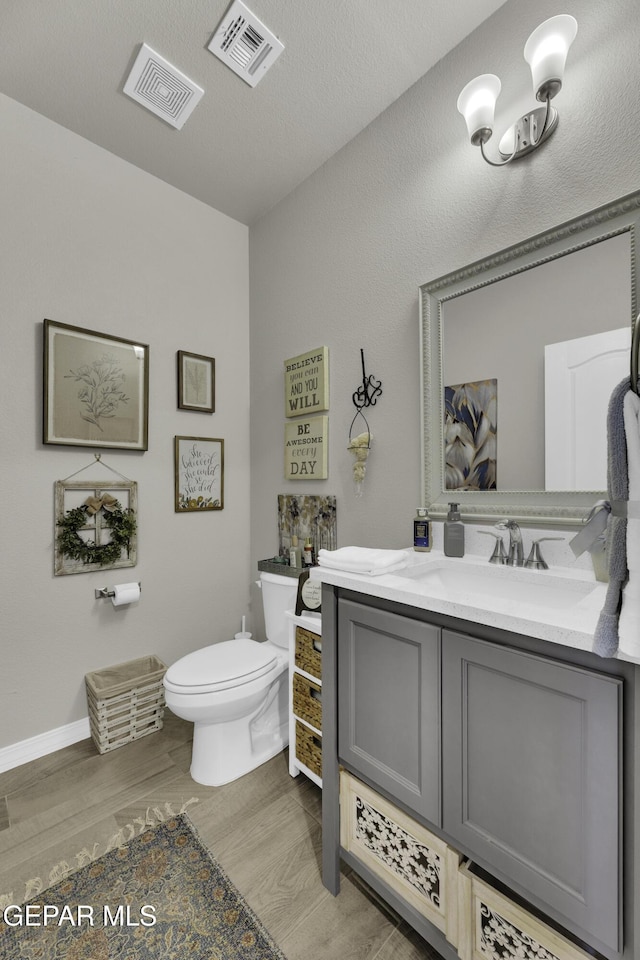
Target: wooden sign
x=305, y=449
x=306, y=383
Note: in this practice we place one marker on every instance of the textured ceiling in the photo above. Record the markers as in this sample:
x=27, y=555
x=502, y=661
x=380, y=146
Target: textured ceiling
x=243, y=149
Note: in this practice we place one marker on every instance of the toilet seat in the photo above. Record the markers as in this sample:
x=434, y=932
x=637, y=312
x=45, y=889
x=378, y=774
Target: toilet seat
x=221, y=666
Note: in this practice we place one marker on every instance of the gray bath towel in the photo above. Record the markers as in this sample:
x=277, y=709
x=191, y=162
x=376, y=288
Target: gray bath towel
x=606, y=633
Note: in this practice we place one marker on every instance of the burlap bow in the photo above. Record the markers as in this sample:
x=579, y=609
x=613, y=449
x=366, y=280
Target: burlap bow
x=93, y=504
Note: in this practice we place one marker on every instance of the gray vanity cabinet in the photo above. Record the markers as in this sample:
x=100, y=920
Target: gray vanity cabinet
x=532, y=774
x=389, y=704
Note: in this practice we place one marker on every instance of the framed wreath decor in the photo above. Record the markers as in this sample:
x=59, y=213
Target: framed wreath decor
x=94, y=531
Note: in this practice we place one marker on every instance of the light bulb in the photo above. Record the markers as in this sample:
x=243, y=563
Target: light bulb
x=477, y=104
x=546, y=53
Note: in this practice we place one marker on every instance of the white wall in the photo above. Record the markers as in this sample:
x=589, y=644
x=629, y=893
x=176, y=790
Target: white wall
x=339, y=261
x=91, y=241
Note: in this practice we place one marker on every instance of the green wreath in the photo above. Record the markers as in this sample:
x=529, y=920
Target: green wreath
x=121, y=523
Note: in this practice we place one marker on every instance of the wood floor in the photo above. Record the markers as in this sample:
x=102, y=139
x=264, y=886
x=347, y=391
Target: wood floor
x=263, y=829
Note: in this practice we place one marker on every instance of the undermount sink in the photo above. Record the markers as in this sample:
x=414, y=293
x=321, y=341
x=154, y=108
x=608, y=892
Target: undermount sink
x=494, y=586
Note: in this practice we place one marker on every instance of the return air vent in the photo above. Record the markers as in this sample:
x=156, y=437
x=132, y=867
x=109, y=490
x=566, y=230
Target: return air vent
x=162, y=88
x=244, y=44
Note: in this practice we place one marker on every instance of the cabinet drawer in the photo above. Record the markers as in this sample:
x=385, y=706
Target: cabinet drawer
x=417, y=865
x=491, y=925
x=307, y=700
x=308, y=656
x=309, y=748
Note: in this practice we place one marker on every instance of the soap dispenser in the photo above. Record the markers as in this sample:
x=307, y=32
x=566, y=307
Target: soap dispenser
x=453, y=533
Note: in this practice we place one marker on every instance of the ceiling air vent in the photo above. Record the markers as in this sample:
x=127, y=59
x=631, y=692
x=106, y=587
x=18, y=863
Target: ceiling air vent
x=244, y=44
x=161, y=88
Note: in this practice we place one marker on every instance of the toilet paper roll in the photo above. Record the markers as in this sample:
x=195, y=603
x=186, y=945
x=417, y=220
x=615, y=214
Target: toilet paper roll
x=125, y=593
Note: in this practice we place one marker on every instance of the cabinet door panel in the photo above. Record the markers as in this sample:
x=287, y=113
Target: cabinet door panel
x=532, y=772
x=389, y=703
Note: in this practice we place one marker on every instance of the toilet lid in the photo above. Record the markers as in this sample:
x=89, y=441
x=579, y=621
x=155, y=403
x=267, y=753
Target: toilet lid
x=222, y=665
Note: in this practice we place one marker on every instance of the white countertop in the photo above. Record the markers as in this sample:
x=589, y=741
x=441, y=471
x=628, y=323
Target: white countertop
x=561, y=605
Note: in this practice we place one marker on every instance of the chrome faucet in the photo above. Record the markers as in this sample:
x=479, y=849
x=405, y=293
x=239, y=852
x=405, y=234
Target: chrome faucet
x=515, y=556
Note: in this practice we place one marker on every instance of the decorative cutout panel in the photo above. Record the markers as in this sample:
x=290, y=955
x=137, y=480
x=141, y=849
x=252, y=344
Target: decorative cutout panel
x=492, y=927
x=414, y=863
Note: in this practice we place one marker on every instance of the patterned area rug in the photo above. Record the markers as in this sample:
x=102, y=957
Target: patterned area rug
x=160, y=896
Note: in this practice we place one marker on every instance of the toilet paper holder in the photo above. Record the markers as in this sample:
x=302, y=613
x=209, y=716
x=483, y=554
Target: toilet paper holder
x=108, y=593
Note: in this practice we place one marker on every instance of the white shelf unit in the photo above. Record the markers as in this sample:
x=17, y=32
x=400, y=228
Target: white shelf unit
x=305, y=695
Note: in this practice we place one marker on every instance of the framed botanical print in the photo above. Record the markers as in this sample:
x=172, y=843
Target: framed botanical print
x=96, y=389
x=199, y=474
x=196, y=382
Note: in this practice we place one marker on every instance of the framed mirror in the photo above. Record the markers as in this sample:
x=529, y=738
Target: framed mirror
x=520, y=353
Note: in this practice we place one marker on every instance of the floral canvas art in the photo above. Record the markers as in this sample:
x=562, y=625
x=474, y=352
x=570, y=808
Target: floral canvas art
x=470, y=435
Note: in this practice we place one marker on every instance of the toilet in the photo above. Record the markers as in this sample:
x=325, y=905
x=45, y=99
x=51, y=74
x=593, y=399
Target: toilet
x=236, y=693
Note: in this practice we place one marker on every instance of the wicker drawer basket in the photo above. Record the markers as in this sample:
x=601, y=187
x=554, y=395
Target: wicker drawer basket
x=125, y=702
x=308, y=652
x=307, y=700
x=309, y=748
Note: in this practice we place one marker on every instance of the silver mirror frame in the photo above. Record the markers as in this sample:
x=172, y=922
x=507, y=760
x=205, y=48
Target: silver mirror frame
x=534, y=507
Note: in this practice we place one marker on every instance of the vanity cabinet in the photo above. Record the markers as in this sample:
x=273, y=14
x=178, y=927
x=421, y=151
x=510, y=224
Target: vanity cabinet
x=510, y=757
x=389, y=704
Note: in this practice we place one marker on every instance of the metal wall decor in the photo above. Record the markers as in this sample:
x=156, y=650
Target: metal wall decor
x=366, y=395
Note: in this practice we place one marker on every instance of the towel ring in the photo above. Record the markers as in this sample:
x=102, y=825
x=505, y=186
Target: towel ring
x=635, y=349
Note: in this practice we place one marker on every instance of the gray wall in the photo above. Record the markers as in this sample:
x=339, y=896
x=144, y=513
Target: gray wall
x=91, y=241
x=339, y=261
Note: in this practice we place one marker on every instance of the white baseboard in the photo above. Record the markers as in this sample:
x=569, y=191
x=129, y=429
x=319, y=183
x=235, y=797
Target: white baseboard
x=44, y=743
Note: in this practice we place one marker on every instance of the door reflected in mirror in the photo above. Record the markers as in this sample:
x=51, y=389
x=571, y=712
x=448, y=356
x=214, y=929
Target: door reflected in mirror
x=500, y=333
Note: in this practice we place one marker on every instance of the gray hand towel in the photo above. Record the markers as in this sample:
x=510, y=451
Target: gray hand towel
x=606, y=633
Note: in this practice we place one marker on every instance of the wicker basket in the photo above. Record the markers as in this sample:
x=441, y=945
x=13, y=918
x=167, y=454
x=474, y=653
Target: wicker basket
x=125, y=701
x=307, y=700
x=308, y=652
x=309, y=748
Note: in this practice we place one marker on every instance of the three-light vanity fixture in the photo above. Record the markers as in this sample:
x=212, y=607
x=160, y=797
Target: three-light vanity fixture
x=546, y=52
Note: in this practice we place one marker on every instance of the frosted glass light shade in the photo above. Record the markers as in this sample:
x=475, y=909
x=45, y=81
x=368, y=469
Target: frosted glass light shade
x=477, y=104
x=546, y=53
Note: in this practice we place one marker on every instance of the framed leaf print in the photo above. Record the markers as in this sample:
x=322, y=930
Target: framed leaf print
x=196, y=382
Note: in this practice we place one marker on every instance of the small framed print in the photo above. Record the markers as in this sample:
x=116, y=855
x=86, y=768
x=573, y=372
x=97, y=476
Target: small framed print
x=309, y=594
x=199, y=474
x=196, y=382
x=96, y=389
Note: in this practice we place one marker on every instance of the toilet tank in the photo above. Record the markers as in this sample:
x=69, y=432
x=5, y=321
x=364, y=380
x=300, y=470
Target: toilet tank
x=278, y=595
